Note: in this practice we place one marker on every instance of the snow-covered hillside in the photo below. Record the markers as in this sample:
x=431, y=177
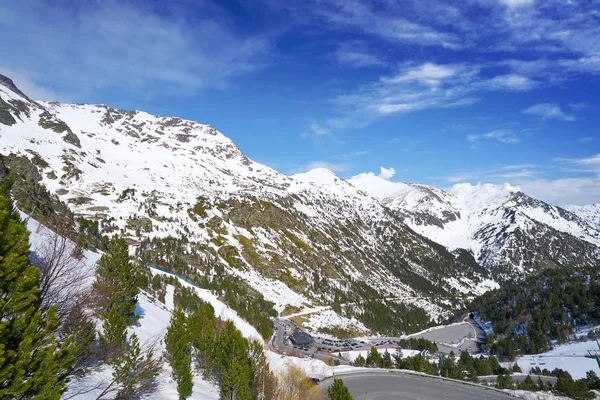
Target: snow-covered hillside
x=506, y=230
x=299, y=241
x=591, y=212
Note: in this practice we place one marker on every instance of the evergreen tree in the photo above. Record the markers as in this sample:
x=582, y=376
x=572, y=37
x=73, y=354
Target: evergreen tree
x=83, y=330
x=202, y=327
x=33, y=364
x=338, y=391
x=592, y=380
x=359, y=361
x=233, y=367
x=134, y=374
x=386, y=361
x=264, y=384
x=373, y=358
x=528, y=384
x=117, y=281
x=504, y=381
x=115, y=333
x=179, y=353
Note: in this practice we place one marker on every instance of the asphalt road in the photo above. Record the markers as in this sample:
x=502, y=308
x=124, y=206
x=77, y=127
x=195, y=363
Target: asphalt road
x=375, y=386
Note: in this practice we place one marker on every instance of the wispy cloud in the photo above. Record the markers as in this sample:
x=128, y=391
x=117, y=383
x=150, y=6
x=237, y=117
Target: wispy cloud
x=586, y=164
x=540, y=182
x=548, y=111
x=516, y=3
x=357, y=55
x=499, y=135
x=124, y=46
x=495, y=174
x=389, y=24
x=587, y=139
x=318, y=129
x=510, y=82
x=417, y=87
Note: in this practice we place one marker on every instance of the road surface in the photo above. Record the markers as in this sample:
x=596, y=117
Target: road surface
x=392, y=386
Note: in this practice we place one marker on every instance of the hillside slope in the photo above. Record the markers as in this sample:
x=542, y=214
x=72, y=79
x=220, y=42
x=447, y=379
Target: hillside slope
x=188, y=199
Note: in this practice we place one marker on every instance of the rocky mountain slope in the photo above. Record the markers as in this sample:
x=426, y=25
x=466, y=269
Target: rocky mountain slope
x=188, y=199
x=508, y=232
x=590, y=213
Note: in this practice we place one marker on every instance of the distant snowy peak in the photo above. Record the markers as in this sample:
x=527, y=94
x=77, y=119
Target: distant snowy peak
x=375, y=186
x=590, y=213
x=330, y=182
x=481, y=196
x=322, y=176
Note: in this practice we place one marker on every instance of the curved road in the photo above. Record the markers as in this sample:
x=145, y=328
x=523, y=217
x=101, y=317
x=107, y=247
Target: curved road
x=388, y=386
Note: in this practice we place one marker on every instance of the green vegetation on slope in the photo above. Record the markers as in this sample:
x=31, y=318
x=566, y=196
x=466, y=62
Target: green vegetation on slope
x=527, y=315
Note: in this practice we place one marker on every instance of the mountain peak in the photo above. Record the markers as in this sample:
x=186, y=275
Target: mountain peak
x=317, y=175
x=375, y=185
x=9, y=84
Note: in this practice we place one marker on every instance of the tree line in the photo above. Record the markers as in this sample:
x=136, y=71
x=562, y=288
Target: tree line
x=526, y=316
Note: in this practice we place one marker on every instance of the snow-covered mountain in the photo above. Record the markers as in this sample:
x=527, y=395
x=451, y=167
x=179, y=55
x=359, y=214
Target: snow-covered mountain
x=307, y=240
x=507, y=231
x=590, y=213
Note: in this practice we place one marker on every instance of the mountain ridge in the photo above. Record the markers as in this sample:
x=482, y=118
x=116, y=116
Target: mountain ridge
x=157, y=180
x=297, y=241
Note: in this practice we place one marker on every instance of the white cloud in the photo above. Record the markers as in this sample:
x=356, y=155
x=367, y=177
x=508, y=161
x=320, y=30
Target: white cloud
x=565, y=191
x=29, y=87
x=387, y=173
x=125, y=47
x=511, y=82
x=548, y=111
x=579, y=190
x=500, y=135
x=591, y=163
x=516, y=3
x=356, y=54
x=390, y=24
x=578, y=106
x=429, y=73
x=418, y=87
x=318, y=129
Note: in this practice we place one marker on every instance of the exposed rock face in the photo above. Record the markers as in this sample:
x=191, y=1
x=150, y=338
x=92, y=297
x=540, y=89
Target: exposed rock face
x=507, y=231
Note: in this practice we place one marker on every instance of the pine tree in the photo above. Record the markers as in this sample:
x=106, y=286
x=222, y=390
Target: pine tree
x=202, y=327
x=115, y=333
x=83, y=330
x=234, y=371
x=373, y=358
x=179, y=353
x=134, y=374
x=135, y=371
x=359, y=361
x=117, y=282
x=386, y=361
x=504, y=381
x=33, y=364
x=264, y=384
x=338, y=391
x=528, y=384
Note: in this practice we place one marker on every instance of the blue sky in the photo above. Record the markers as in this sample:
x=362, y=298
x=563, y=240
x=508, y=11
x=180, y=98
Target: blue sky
x=438, y=92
